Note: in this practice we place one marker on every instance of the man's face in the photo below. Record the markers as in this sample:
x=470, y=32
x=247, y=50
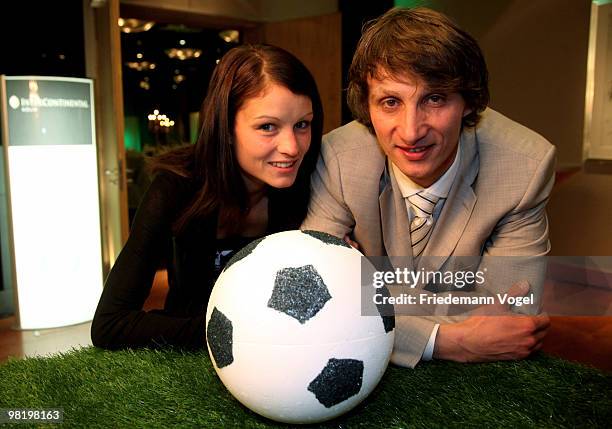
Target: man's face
x=417, y=128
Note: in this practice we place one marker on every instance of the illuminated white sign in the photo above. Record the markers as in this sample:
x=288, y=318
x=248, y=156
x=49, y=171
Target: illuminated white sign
x=54, y=204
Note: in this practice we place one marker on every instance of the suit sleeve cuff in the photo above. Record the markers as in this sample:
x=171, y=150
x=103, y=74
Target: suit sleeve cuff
x=429, y=348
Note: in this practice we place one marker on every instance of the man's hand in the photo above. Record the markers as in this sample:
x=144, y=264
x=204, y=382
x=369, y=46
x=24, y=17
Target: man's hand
x=499, y=335
x=350, y=242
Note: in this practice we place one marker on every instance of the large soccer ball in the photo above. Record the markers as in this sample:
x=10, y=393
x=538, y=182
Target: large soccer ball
x=285, y=329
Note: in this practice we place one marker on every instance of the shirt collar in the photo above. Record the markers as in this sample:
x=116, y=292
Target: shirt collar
x=439, y=188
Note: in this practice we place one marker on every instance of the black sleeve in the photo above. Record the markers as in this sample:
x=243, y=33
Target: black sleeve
x=119, y=320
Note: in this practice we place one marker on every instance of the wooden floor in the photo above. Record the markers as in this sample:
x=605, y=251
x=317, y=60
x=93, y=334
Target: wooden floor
x=44, y=342
x=586, y=339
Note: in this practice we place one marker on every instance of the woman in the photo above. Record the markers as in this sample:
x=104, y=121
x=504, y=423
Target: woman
x=247, y=176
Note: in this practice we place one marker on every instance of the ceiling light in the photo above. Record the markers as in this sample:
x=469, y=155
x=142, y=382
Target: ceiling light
x=157, y=120
x=132, y=25
x=183, y=53
x=230, y=36
x=140, y=65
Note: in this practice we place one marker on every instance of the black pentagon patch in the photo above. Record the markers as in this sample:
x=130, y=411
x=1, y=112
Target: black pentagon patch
x=327, y=238
x=243, y=253
x=219, y=336
x=339, y=380
x=386, y=310
x=299, y=292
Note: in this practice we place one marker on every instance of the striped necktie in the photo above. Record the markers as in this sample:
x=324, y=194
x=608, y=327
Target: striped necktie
x=422, y=221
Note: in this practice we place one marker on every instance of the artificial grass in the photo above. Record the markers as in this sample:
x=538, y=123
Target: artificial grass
x=171, y=388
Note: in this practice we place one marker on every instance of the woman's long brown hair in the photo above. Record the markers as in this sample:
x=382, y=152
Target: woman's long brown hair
x=211, y=163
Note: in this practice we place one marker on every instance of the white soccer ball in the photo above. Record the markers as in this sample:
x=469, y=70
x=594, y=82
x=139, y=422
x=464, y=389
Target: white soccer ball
x=285, y=329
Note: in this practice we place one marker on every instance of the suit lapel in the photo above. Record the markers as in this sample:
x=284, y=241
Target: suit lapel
x=457, y=209
x=394, y=219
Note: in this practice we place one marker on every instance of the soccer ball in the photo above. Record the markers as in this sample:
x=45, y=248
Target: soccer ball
x=285, y=329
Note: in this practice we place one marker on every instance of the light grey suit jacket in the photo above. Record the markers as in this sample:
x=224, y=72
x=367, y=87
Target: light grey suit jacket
x=494, y=208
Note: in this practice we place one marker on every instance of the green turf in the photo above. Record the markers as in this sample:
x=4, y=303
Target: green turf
x=169, y=388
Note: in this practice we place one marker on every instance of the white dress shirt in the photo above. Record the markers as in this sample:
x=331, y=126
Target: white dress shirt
x=440, y=189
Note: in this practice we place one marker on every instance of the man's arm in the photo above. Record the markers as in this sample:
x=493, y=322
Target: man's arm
x=489, y=337
x=499, y=334
x=327, y=210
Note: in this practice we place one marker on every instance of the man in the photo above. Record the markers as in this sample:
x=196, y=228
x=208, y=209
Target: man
x=419, y=90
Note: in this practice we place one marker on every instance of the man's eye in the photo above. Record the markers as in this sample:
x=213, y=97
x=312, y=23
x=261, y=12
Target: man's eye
x=390, y=103
x=266, y=127
x=302, y=125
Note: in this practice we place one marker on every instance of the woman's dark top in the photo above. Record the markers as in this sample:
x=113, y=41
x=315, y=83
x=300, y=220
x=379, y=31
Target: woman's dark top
x=194, y=259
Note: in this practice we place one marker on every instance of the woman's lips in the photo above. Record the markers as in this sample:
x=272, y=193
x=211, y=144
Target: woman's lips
x=284, y=166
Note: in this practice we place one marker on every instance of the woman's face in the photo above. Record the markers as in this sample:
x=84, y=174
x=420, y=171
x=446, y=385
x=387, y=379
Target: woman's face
x=272, y=135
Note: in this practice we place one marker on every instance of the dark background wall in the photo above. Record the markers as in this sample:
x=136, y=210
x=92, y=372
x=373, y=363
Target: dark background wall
x=354, y=15
x=43, y=38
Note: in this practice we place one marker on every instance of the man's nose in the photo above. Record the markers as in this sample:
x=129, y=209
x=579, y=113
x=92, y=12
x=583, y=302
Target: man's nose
x=413, y=125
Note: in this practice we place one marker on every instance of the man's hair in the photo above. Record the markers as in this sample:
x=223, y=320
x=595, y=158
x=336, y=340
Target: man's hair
x=419, y=43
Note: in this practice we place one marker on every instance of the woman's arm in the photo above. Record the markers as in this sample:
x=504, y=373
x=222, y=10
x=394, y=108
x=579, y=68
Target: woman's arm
x=119, y=320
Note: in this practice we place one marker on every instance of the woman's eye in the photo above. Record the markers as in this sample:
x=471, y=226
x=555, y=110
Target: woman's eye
x=302, y=125
x=436, y=99
x=266, y=127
